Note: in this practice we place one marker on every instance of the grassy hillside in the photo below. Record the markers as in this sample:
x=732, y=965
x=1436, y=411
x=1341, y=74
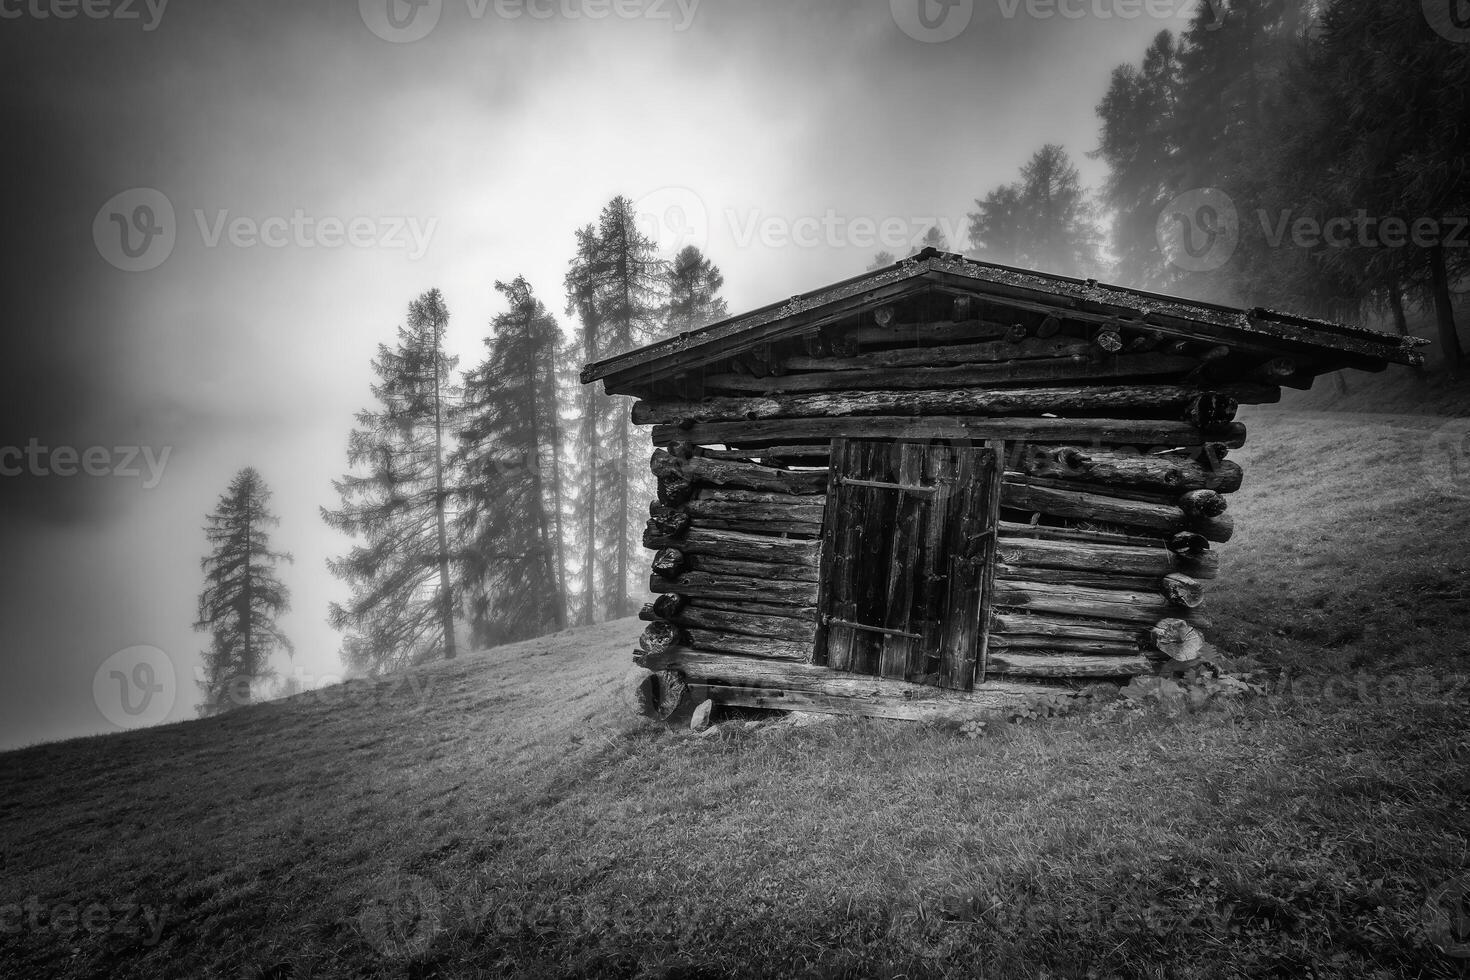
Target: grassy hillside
x=505, y=814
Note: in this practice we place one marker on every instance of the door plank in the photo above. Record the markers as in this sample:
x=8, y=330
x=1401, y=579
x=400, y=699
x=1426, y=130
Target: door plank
x=903, y=562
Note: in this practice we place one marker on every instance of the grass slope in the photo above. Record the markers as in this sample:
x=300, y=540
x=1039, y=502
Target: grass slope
x=505, y=815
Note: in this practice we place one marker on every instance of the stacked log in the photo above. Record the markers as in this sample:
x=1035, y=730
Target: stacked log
x=735, y=567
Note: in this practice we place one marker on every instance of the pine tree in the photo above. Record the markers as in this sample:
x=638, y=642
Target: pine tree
x=403, y=601
x=512, y=555
x=933, y=238
x=616, y=287
x=1136, y=143
x=1043, y=221
x=596, y=415
x=242, y=595
x=693, y=289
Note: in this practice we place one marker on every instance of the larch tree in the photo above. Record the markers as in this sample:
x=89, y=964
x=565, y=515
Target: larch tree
x=1043, y=221
x=933, y=238
x=403, y=599
x=509, y=528
x=693, y=289
x=1137, y=145
x=616, y=286
x=242, y=595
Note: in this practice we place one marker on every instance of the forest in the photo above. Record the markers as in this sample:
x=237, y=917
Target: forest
x=1303, y=155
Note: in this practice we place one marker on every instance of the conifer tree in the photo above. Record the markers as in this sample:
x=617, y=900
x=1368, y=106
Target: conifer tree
x=1043, y=221
x=616, y=287
x=403, y=600
x=693, y=289
x=242, y=595
x=510, y=529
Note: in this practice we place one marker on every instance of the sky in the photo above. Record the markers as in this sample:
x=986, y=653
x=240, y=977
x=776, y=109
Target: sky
x=214, y=213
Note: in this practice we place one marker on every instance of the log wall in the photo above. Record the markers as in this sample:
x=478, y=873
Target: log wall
x=1114, y=493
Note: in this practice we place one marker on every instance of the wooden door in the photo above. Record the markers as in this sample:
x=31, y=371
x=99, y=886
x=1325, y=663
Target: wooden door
x=908, y=545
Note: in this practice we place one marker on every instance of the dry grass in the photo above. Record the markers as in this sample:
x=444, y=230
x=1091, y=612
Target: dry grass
x=505, y=815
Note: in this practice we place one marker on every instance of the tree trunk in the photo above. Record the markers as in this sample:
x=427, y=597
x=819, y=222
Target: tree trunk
x=446, y=598
x=1444, y=314
x=556, y=493
x=1400, y=321
x=590, y=410
x=620, y=595
x=532, y=408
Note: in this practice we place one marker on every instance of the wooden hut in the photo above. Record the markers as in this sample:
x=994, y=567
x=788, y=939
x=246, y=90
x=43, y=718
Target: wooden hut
x=948, y=485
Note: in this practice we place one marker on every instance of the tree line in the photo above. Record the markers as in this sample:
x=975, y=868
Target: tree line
x=1307, y=155
x=502, y=497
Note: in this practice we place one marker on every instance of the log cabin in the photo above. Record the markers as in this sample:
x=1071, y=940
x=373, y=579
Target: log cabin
x=946, y=487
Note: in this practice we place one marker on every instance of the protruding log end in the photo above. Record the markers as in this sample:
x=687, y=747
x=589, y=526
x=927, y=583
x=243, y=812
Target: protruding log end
x=658, y=694
x=1203, y=503
x=963, y=308
x=674, y=490
x=1109, y=340
x=1182, y=590
x=1189, y=544
x=1212, y=408
x=669, y=605
x=660, y=638
x=1050, y=327
x=668, y=524
x=883, y=316
x=1220, y=528
x=1016, y=333
x=668, y=562
x=1177, y=640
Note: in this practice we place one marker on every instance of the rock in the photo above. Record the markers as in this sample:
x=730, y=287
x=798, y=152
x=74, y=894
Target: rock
x=703, y=715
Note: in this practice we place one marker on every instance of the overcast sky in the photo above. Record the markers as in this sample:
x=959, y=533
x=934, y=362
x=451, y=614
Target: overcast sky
x=322, y=167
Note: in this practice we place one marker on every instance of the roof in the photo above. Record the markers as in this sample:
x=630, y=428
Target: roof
x=1340, y=344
